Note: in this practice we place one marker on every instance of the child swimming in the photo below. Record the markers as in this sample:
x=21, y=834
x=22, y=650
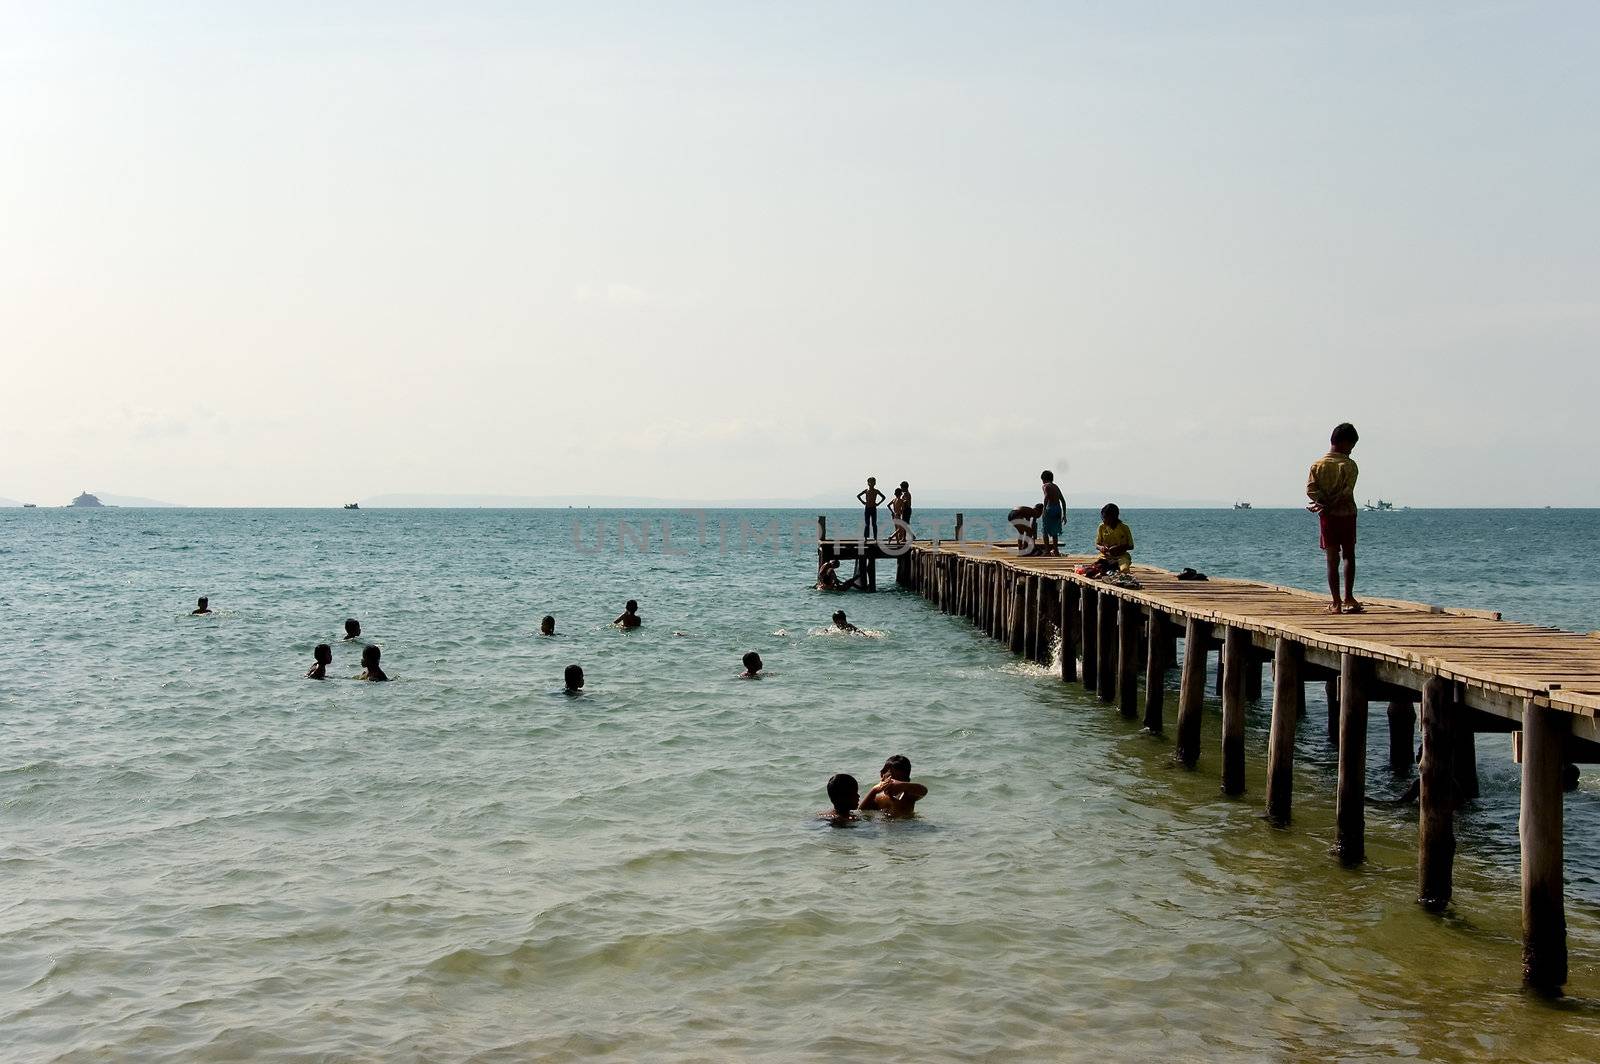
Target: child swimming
x=629, y=618
x=322, y=657
x=370, y=670
x=752, y=667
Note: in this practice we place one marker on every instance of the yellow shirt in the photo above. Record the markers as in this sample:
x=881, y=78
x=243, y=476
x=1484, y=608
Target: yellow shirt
x=1332, y=482
x=1121, y=536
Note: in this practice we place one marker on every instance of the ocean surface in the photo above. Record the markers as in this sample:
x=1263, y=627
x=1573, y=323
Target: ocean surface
x=204, y=856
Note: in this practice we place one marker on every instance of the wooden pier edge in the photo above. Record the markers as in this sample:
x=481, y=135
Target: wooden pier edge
x=1402, y=652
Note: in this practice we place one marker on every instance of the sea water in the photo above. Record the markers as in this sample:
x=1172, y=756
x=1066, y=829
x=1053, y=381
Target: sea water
x=204, y=856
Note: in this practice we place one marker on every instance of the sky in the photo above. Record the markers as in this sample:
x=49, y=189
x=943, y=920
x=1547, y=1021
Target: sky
x=296, y=254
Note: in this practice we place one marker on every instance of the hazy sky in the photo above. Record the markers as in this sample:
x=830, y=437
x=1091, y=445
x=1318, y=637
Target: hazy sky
x=287, y=254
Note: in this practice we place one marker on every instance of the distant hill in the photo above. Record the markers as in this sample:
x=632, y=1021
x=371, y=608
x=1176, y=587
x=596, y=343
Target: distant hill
x=133, y=500
x=977, y=499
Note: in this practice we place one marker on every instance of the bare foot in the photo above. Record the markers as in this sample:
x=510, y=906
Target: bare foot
x=1352, y=606
x=1335, y=608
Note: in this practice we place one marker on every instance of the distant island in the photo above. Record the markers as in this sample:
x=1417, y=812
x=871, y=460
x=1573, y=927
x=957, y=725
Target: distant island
x=86, y=499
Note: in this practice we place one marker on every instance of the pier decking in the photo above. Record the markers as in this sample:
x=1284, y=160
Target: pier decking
x=1469, y=671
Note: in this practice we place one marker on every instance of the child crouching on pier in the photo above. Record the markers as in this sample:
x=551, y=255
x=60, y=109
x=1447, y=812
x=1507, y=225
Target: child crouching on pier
x=1114, y=541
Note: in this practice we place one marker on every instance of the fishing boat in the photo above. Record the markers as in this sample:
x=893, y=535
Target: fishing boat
x=35, y=506
x=1241, y=506
x=1381, y=506
x=352, y=506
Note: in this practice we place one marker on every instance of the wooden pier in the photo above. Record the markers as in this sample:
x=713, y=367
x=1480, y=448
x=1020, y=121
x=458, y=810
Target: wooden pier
x=1456, y=672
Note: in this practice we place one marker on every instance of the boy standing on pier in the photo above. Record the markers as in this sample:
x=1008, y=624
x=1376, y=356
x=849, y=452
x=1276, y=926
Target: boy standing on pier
x=1331, y=487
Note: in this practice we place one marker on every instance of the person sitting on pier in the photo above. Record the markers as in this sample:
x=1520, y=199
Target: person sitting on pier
x=1025, y=522
x=1055, y=514
x=870, y=498
x=547, y=626
x=201, y=608
x=752, y=666
x=1114, y=541
x=844, y=793
x=841, y=624
x=1331, y=487
x=321, y=658
x=352, y=629
x=573, y=677
x=894, y=794
x=629, y=618
x=370, y=670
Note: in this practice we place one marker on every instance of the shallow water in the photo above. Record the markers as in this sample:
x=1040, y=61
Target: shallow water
x=207, y=857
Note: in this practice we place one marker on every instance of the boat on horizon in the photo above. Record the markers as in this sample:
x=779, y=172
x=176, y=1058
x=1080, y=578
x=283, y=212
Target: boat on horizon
x=1242, y=506
x=35, y=506
x=1382, y=506
x=352, y=506
x=86, y=499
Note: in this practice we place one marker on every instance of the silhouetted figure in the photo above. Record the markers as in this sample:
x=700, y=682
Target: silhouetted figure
x=752, y=667
x=548, y=625
x=629, y=618
x=201, y=608
x=844, y=794
x=322, y=657
x=573, y=677
x=370, y=669
x=870, y=498
x=352, y=629
x=843, y=625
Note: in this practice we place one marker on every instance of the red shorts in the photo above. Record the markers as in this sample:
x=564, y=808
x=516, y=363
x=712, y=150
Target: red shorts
x=1338, y=531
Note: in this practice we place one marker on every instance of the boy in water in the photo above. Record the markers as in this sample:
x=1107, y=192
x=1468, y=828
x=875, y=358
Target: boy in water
x=370, y=670
x=752, y=667
x=322, y=657
x=548, y=625
x=573, y=678
x=1331, y=487
x=629, y=617
x=844, y=794
x=894, y=793
x=352, y=629
x=1055, y=514
x=201, y=608
x=870, y=497
x=1114, y=541
x=843, y=625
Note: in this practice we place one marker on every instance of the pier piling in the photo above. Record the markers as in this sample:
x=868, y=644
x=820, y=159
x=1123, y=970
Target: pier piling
x=1288, y=697
x=1192, y=690
x=1106, y=641
x=1155, y=670
x=1436, y=832
x=1350, y=803
x=1544, y=920
x=1089, y=610
x=1235, y=650
x=1069, y=633
x=1128, y=630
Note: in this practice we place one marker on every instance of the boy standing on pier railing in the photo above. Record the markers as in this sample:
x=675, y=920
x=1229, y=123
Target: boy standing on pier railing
x=1331, y=487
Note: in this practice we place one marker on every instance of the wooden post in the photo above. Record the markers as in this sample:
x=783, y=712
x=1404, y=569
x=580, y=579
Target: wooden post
x=1155, y=671
x=1287, y=698
x=1069, y=630
x=959, y=519
x=1048, y=612
x=1128, y=659
x=1350, y=802
x=1192, y=690
x=1332, y=687
x=822, y=528
x=1402, y=736
x=1466, y=767
x=1235, y=651
x=1252, y=677
x=1019, y=605
x=1544, y=919
x=1436, y=832
x=1089, y=611
x=1106, y=639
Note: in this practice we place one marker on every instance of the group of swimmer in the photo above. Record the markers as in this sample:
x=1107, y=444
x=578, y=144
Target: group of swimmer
x=893, y=795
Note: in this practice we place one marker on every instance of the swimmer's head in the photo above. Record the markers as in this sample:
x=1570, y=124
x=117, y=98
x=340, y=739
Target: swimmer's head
x=574, y=677
x=352, y=628
x=752, y=663
x=844, y=793
x=203, y=603
x=369, y=656
x=632, y=606
x=1110, y=512
x=323, y=654
x=897, y=767
x=548, y=625
x=838, y=616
